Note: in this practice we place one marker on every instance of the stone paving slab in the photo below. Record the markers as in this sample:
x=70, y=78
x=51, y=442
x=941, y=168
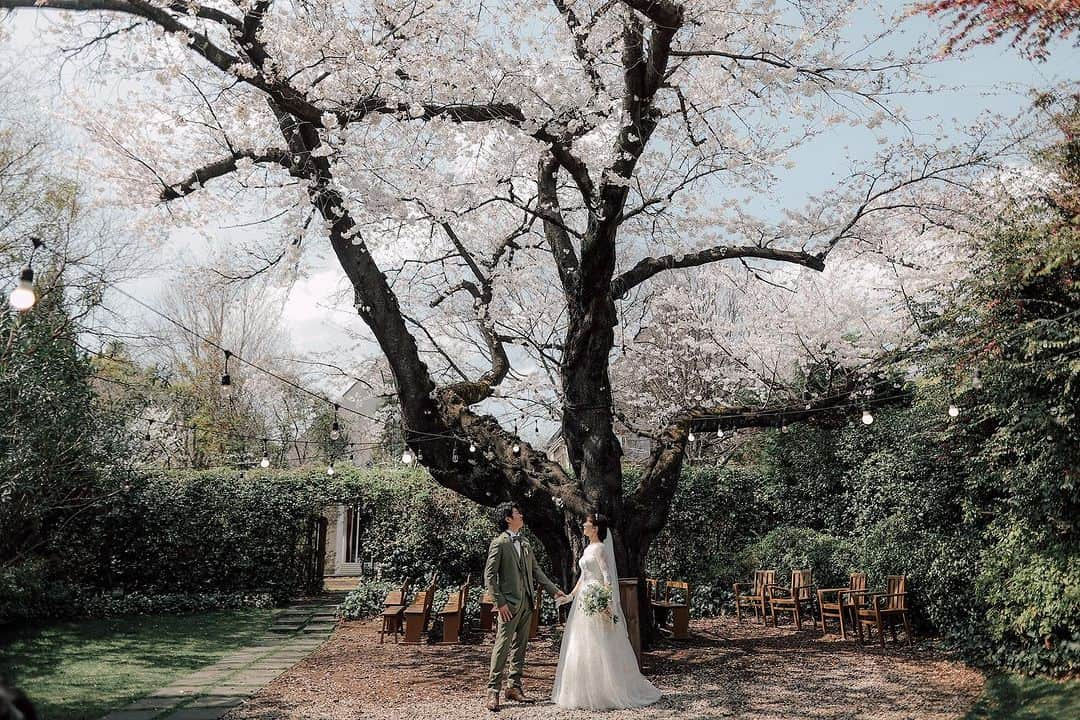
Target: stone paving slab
x=209, y=693
x=217, y=701
x=132, y=715
x=199, y=713
x=157, y=702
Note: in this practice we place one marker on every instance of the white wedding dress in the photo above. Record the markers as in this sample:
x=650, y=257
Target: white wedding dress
x=597, y=668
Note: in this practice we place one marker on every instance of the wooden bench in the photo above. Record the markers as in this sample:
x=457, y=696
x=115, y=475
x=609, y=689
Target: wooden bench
x=453, y=614
x=392, y=613
x=487, y=613
x=679, y=610
x=418, y=614
x=534, y=621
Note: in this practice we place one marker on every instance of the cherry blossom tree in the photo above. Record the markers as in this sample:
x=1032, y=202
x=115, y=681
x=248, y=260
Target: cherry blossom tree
x=512, y=190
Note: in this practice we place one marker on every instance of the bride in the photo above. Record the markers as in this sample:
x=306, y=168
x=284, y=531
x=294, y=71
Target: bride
x=597, y=668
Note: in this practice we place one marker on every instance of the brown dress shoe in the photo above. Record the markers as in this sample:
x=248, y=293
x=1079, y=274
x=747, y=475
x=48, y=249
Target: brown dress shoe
x=517, y=695
x=493, y=701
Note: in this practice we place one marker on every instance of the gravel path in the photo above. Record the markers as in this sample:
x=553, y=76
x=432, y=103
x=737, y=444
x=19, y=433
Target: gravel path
x=726, y=671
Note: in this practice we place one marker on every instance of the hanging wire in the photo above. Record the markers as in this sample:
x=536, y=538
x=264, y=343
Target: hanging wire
x=417, y=436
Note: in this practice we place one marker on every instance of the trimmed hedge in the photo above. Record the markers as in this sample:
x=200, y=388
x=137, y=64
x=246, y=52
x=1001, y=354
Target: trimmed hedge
x=186, y=541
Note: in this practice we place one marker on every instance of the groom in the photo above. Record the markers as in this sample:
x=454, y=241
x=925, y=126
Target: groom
x=509, y=577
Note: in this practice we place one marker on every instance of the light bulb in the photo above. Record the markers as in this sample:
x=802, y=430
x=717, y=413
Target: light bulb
x=330, y=469
x=23, y=297
x=226, y=385
x=516, y=449
x=472, y=447
x=407, y=457
x=691, y=437
x=720, y=432
x=783, y=428
x=976, y=381
x=867, y=418
x=953, y=410
x=335, y=433
x=454, y=455
x=265, y=462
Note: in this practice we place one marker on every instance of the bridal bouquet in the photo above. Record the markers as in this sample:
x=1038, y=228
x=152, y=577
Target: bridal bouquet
x=597, y=599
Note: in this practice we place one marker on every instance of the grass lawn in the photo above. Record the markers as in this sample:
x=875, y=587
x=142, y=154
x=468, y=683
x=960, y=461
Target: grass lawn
x=77, y=670
x=1016, y=697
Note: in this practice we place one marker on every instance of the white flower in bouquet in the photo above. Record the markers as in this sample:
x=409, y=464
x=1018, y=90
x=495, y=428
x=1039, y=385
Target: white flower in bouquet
x=597, y=599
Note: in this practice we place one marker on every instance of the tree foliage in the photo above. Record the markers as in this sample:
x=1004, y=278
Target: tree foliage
x=59, y=457
x=1033, y=24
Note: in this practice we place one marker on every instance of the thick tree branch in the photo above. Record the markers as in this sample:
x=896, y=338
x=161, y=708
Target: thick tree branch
x=482, y=296
x=651, y=266
x=578, y=170
x=660, y=481
x=562, y=249
x=666, y=14
x=581, y=50
x=222, y=167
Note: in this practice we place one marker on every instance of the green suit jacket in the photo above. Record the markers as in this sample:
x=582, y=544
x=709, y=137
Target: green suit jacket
x=510, y=579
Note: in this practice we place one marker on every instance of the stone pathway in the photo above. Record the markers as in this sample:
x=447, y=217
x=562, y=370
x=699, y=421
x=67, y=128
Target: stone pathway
x=209, y=693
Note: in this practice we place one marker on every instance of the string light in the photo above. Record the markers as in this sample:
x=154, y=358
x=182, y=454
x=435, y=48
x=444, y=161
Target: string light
x=954, y=411
x=867, y=418
x=330, y=468
x=149, y=425
x=407, y=457
x=226, y=381
x=23, y=297
x=720, y=433
x=265, y=462
x=691, y=436
x=454, y=455
x=516, y=447
x=335, y=429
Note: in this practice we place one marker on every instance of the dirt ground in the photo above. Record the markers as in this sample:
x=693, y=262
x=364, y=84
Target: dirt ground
x=726, y=670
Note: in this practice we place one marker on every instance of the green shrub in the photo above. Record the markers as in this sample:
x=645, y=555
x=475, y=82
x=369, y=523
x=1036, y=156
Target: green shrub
x=714, y=512
x=710, y=600
x=1032, y=593
x=413, y=527
x=831, y=559
x=366, y=601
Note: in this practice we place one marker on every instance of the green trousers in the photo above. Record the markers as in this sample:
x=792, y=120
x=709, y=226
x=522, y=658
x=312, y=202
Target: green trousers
x=511, y=638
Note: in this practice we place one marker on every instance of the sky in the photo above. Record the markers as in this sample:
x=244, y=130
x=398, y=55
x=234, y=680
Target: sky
x=988, y=79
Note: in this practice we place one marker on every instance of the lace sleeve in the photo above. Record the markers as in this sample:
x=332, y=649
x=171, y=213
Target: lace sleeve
x=604, y=569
